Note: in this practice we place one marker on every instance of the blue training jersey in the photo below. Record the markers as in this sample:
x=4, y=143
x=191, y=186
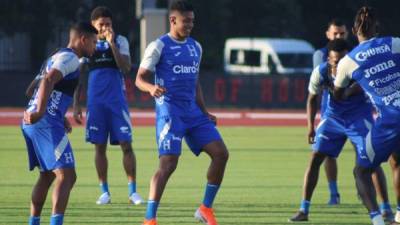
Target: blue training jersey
x=349, y=109
x=67, y=62
x=106, y=82
x=176, y=67
x=374, y=64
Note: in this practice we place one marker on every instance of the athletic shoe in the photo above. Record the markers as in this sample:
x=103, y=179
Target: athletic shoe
x=335, y=200
x=397, y=217
x=388, y=215
x=150, y=222
x=300, y=216
x=205, y=215
x=105, y=198
x=135, y=199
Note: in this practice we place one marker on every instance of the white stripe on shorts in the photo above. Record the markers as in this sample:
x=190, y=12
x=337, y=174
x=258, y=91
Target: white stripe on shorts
x=61, y=147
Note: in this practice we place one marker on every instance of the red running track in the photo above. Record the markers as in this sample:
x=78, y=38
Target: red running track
x=12, y=116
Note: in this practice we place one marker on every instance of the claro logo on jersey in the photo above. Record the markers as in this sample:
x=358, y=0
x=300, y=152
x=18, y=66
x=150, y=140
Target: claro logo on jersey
x=379, y=68
x=362, y=56
x=183, y=69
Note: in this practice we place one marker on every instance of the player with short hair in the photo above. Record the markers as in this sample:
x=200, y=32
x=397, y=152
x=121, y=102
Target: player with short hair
x=374, y=65
x=108, y=115
x=175, y=59
x=343, y=119
x=336, y=29
x=43, y=124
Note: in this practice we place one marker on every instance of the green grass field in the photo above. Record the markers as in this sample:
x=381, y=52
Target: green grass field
x=262, y=183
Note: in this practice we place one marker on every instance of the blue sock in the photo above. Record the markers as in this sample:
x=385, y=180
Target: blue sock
x=385, y=207
x=57, y=219
x=305, y=206
x=104, y=188
x=151, y=211
x=209, y=196
x=373, y=214
x=131, y=188
x=333, y=188
x=34, y=220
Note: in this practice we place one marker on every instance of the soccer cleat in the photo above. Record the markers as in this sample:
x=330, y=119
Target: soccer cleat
x=334, y=200
x=388, y=215
x=104, y=199
x=300, y=216
x=150, y=222
x=205, y=215
x=135, y=199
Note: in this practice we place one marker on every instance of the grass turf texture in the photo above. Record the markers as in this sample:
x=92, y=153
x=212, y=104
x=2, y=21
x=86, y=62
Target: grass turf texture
x=262, y=183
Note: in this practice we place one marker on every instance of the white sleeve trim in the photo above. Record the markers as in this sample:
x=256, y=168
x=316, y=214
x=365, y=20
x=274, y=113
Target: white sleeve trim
x=395, y=45
x=65, y=62
x=152, y=55
x=123, y=45
x=345, y=71
x=314, y=86
x=317, y=58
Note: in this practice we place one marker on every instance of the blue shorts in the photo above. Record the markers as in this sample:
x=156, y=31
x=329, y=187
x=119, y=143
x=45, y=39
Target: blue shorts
x=111, y=120
x=332, y=134
x=380, y=143
x=197, y=132
x=48, y=148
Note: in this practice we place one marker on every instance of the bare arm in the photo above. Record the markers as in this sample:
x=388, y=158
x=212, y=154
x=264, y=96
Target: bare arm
x=353, y=89
x=339, y=93
x=312, y=108
x=144, y=85
x=45, y=89
x=31, y=88
x=77, y=94
x=123, y=61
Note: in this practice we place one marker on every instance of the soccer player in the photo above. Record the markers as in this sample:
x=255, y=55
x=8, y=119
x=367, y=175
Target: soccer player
x=374, y=65
x=107, y=108
x=336, y=30
x=175, y=58
x=342, y=120
x=43, y=124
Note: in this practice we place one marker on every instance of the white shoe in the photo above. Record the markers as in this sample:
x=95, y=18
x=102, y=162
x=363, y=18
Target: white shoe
x=135, y=199
x=105, y=198
x=397, y=217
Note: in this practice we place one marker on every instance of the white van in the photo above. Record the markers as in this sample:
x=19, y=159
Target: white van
x=263, y=56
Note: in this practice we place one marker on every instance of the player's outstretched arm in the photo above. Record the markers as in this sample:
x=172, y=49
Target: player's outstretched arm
x=144, y=85
x=312, y=108
x=45, y=89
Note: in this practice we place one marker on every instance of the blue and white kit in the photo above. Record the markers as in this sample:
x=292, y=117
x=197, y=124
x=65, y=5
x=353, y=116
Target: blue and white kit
x=108, y=115
x=374, y=65
x=351, y=118
x=176, y=66
x=47, y=142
